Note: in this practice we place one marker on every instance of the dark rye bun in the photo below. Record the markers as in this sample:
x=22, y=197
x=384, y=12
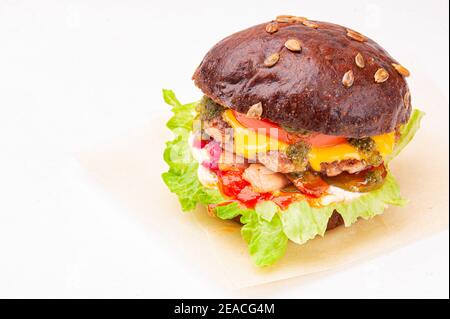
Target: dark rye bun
x=309, y=88
x=335, y=221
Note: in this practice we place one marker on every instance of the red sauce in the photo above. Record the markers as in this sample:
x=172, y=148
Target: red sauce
x=211, y=207
x=231, y=182
x=232, y=185
x=283, y=201
x=249, y=197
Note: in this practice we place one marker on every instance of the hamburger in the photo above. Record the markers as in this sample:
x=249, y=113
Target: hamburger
x=293, y=136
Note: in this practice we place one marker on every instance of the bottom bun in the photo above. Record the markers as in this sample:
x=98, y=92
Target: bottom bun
x=335, y=220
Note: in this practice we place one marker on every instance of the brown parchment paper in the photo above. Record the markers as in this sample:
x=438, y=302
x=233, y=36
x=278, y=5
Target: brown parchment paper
x=130, y=169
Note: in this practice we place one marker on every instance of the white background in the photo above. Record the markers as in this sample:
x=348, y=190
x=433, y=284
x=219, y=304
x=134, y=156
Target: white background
x=74, y=74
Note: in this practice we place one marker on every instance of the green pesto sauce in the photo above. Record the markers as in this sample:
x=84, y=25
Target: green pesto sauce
x=374, y=177
x=298, y=153
x=208, y=109
x=367, y=146
x=295, y=131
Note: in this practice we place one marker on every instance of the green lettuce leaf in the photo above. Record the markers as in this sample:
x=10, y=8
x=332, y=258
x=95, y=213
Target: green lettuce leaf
x=267, y=229
x=230, y=211
x=371, y=204
x=170, y=98
x=262, y=230
x=266, y=240
x=302, y=222
x=266, y=210
x=182, y=178
x=407, y=133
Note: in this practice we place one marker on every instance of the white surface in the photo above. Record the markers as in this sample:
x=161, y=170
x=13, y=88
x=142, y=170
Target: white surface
x=76, y=73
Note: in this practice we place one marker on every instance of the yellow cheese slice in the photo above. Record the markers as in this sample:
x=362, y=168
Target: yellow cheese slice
x=330, y=154
x=248, y=143
x=385, y=143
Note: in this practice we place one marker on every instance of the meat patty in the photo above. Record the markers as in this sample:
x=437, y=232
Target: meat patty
x=216, y=128
x=350, y=166
x=335, y=220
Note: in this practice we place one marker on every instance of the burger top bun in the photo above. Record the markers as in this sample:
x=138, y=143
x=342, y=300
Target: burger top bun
x=308, y=75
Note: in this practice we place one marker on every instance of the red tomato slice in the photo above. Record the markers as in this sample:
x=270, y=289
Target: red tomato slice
x=255, y=124
x=252, y=122
x=315, y=139
x=322, y=140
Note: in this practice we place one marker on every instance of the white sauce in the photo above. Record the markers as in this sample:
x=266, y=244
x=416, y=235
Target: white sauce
x=336, y=194
x=206, y=177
